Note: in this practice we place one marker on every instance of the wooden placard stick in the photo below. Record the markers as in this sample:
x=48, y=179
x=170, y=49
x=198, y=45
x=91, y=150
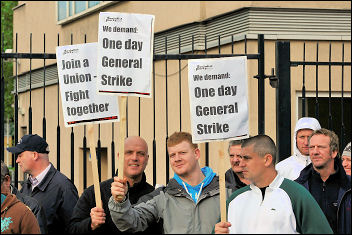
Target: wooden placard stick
x=122, y=136
x=93, y=160
x=222, y=182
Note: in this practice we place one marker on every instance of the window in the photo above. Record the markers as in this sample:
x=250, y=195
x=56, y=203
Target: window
x=336, y=111
x=92, y=3
x=62, y=9
x=80, y=6
x=68, y=11
x=70, y=8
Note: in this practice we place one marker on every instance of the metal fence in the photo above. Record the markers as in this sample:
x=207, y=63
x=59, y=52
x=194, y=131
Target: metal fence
x=284, y=66
x=157, y=57
x=281, y=81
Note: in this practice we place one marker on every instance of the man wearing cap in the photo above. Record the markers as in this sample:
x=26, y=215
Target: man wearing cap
x=291, y=167
x=56, y=193
x=346, y=159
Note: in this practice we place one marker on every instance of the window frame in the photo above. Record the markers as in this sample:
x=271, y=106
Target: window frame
x=81, y=14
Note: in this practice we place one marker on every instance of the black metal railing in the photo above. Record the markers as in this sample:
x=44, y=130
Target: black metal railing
x=157, y=57
x=283, y=112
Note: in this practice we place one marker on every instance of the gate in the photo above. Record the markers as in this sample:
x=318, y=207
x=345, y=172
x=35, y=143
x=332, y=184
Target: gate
x=284, y=66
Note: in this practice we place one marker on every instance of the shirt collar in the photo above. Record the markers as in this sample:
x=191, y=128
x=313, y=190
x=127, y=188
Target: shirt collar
x=276, y=183
x=36, y=181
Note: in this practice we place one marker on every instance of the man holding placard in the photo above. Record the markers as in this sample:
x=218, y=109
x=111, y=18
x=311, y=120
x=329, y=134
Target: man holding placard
x=86, y=217
x=271, y=203
x=188, y=204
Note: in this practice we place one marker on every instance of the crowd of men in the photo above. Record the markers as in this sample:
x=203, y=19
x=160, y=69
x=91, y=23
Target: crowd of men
x=308, y=192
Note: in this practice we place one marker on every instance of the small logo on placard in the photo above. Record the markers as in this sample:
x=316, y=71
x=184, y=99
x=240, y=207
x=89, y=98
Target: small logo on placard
x=114, y=19
x=204, y=67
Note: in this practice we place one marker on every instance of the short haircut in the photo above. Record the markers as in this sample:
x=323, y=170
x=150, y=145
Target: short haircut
x=263, y=145
x=334, y=140
x=234, y=143
x=4, y=171
x=178, y=137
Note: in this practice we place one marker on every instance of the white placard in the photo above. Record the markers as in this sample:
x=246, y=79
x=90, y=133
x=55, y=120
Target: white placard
x=81, y=104
x=125, y=53
x=218, y=98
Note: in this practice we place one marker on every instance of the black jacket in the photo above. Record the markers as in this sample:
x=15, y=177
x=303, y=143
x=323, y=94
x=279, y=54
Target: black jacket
x=35, y=207
x=58, y=196
x=232, y=181
x=80, y=221
x=343, y=215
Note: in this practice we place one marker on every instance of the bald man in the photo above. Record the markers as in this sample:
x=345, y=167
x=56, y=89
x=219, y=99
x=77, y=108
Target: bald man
x=87, y=217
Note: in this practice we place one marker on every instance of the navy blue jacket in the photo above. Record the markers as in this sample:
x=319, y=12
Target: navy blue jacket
x=58, y=196
x=232, y=181
x=344, y=195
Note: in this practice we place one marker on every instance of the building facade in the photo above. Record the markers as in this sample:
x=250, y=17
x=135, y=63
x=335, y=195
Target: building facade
x=314, y=28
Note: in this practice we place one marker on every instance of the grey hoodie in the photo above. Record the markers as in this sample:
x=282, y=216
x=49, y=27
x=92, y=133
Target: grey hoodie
x=291, y=167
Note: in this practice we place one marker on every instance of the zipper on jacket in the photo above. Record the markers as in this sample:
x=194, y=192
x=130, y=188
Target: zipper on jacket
x=324, y=186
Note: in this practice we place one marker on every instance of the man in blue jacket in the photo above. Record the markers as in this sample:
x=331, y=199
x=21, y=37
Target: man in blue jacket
x=53, y=190
x=327, y=181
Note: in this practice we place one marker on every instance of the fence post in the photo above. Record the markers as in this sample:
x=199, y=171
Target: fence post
x=283, y=100
x=261, y=87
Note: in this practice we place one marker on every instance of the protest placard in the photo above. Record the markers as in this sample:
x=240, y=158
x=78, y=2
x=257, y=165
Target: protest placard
x=81, y=104
x=219, y=106
x=218, y=98
x=125, y=53
x=125, y=60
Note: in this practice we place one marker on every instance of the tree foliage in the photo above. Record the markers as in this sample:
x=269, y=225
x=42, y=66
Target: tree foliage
x=7, y=43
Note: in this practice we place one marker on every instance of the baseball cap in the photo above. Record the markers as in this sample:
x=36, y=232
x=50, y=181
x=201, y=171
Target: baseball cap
x=33, y=143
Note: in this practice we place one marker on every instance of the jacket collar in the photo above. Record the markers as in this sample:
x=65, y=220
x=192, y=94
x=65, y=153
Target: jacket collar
x=136, y=185
x=276, y=183
x=232, y=180
x=305, y=160
x=309, y=170
x=140, y=184
x=9, y=201
x=47, y=179
x=175, y=189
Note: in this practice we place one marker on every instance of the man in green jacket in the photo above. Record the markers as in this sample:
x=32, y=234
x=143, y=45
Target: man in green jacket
x=271, y=203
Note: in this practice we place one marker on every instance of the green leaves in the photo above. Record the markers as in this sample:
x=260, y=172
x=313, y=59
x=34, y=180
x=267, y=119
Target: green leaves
x=7, y=37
